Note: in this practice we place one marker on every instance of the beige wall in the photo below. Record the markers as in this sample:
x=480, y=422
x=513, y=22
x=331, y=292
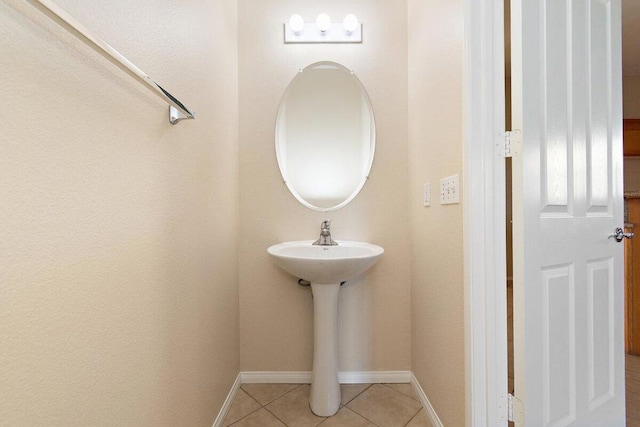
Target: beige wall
x=275, y=314
x=435, y=151
x=632, y=174
x=631, y=110
x=631, y=97
x=118, y=271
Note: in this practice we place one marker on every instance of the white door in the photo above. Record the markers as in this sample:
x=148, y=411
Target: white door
x=568, y=273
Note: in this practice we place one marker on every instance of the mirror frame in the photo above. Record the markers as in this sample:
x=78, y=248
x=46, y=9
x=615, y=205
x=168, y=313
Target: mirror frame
x=372, y=142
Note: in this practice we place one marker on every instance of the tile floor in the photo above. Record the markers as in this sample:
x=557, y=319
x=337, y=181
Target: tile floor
x=363, y=405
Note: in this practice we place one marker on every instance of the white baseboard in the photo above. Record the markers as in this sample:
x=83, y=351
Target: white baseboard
x=374, y=377
x=276, y=377
x=431, y=413
x=228, y=401
x=304, y=377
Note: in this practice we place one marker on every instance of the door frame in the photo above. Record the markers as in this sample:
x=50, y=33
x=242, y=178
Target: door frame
x=484, y=215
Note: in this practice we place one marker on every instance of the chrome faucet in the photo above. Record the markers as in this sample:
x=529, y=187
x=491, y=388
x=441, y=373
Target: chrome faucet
x=325, y=235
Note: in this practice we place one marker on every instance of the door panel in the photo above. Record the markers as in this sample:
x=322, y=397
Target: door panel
x=567, y=195
x=558, y=340
x=601, y=288
x=554, y=138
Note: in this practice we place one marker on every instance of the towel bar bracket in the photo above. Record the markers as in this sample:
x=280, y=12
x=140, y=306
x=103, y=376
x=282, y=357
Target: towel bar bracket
x=176, y=116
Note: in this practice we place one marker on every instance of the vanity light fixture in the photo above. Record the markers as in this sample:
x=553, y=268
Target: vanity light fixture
x=296, y=23
x=350, y=23
x=296, y=30
x=323, y=22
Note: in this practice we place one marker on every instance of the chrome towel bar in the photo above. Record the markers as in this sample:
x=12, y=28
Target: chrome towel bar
x=177, y=110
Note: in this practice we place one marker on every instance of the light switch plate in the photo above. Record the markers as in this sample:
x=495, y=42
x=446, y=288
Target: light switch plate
x=427, y=194
x=449, y=190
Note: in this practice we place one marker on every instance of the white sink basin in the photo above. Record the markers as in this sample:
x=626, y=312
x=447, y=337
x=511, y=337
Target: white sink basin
x=325, y=267
x=325, y=264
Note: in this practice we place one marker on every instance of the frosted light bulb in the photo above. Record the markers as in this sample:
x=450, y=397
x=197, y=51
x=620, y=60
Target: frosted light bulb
x=296, y=23
x=323, y=22
x=350, y=23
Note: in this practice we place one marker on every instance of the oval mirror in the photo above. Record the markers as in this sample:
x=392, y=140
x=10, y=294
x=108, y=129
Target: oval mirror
x=325, y=136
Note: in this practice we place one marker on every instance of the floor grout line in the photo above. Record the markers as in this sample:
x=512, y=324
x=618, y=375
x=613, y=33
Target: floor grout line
x=245, y=416
x=277, y=418
x=406, y=395
x=401, y=394
x=356, y=396
x=273, y=400
x=411, y=419
x=240, y=419
x=360, y=415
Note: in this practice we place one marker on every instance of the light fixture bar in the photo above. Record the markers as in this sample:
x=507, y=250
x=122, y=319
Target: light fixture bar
x=309, y=32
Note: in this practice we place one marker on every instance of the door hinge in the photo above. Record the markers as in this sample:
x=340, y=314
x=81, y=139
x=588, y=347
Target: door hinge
x=512, y=143
x=515, y=410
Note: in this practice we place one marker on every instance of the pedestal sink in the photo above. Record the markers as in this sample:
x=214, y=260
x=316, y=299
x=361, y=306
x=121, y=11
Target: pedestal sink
x=325, y=267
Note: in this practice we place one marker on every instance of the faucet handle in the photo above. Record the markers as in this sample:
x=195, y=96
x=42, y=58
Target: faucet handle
x=326, y=224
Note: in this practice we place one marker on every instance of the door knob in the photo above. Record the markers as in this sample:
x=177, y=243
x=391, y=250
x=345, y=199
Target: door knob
x=621, y=235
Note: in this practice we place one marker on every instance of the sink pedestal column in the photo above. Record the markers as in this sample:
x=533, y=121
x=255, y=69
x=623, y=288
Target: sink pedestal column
x=325, y=389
